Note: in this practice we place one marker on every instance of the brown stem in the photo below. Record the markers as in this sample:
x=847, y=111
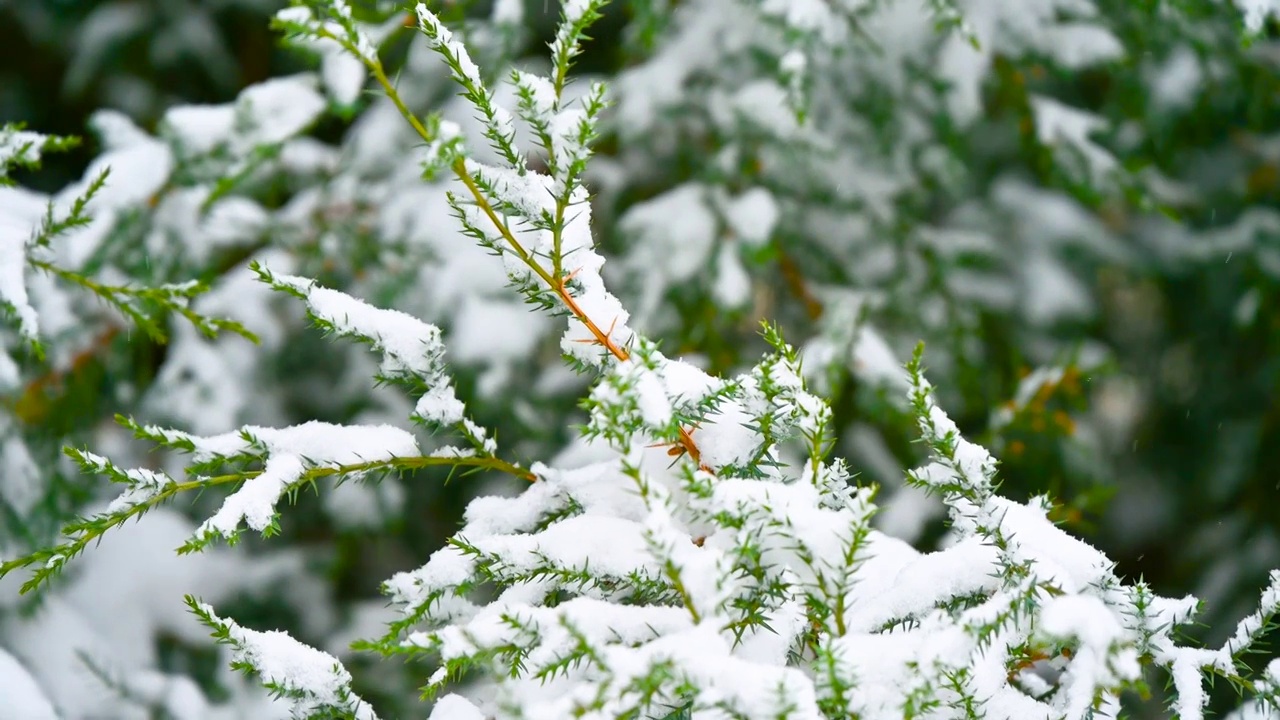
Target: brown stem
x=27, y=405
x=558, y=284
x=797, y=285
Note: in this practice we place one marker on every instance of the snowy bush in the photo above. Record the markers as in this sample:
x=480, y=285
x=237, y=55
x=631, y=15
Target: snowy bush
x=1076, y=212
x=684, y=542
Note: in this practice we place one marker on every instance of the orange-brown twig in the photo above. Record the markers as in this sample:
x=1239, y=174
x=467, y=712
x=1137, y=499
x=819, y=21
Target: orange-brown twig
x=557, y=283
x=601, y=337
x=686, y=443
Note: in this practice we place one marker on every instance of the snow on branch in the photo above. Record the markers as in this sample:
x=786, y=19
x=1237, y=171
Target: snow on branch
x=313, y=682
x=763, y=574
x=712, y=558
x=411, y=349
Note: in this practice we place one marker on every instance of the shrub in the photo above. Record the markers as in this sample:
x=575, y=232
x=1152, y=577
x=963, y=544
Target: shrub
x=698, y=551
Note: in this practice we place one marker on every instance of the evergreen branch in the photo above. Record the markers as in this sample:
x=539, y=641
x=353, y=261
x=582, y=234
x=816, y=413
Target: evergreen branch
x=78, y=216
x=88, y=530
x=315, y=683
x=131, y=302
x=558, y=284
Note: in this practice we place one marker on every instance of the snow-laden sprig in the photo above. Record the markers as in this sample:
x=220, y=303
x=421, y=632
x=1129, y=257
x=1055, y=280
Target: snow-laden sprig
x=290, y=458
x=20, y=233
x=793, y=410
x=139, y=181
x=412, y=354
x=650, y=397
x=619, y=645
x=412, y=350
x=1252, y=627
x=964, y=472
x=544, y=239
x=499, y=127
x=1186, y=664
x=294, y=456
x=575, y=18
x=738, y=426
x=744, y=434
x=519, y=217
x=142, y=485
x=314, y=683
x=21, y=148
x=564, y=134
x=345, y=45
x=543, y=236
x=27, y=245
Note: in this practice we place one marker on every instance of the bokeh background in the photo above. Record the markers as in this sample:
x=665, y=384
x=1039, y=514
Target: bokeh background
x=1116, y=341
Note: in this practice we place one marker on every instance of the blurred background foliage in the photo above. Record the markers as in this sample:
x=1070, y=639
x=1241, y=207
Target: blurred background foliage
x=1160, y=434
x=63, y=59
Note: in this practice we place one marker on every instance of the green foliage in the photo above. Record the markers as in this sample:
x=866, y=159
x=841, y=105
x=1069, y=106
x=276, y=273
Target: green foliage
x=757, y=167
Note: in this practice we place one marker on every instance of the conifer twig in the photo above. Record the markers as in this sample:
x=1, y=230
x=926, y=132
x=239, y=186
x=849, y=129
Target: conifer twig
x=88, y=530
x=558, y=285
